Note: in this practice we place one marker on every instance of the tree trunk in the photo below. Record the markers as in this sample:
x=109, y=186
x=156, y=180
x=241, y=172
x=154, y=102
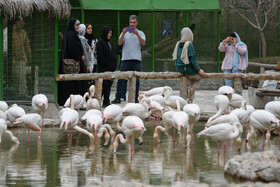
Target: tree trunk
x=263, y=44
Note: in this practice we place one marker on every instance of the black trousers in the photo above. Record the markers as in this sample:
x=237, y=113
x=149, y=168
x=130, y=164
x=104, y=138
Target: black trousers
x=106, y=90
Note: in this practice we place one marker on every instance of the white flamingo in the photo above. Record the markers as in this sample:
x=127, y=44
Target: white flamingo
x=32, y=121
x=193, y=111
x=3, y=106
x=153, y=91
x=94, y=124
x=262, y=120
x=13, y=113
x=2, y=115
x=170, y=100
x=223, y=132
x=133, y=127
x=274, y=108
x=70, y=119
x=226, y=90
x=39, y=105
x=141, y=109
x=91, y=112
x=91, y=103
x=180, y=121
x=78, y=102
x=221, y=102
x=113, y=115
x=236, y=101
x=3, y=130
x=167, y=124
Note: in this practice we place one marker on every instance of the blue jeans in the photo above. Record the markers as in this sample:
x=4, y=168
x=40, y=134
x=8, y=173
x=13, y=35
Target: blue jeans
x=128, y=65
x=227, y=81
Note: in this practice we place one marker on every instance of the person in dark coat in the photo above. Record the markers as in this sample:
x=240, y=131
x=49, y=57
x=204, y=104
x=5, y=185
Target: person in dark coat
x=106, y=61
x=71, y=48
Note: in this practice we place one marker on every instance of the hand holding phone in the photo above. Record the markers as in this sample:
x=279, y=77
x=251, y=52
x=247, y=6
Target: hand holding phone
x=130, y=29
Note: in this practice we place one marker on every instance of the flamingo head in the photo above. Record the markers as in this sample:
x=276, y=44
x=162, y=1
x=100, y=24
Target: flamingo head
x=105, y=117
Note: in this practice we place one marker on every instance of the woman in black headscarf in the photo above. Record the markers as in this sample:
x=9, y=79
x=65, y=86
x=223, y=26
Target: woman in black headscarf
x=106, y=60
x=71, y=48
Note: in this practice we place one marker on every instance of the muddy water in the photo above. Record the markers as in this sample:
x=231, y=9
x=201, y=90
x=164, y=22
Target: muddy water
x=54, y=162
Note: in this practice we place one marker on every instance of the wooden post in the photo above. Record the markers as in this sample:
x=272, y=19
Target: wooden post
x=132, y=88
x=183, y=87
x=98, y=88
x=237, y=84
x=262, y=70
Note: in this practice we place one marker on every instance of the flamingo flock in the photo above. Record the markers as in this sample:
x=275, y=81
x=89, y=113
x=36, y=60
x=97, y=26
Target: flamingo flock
x=125, y=124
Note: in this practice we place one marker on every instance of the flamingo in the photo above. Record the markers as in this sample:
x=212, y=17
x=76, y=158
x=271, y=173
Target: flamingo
x=159, y=99
x=193, y=111
x=153, y=91
x=39, y=105
x=78, y=102
x=226, y=90
x=170, y=100
x=91, y=112
x=3, y=106
x=2, y=115
x=236, y=101
x=133, y=127
x=141, y=109
x=91, y=103
x=167, y=124
x=180, y=121
x=94, y=123
x=32, y=121
x=113, y=114
x=13, y=113
x=274, y=108
x=223, y=132
x=262, y=120
x=3, y=130
x=221, y=102
x=70, y=118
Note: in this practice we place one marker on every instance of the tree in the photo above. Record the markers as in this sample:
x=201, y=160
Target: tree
x=259, y=14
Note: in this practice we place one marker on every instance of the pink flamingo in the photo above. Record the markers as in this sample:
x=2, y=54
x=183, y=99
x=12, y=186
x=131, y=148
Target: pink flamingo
x=113, y=114
x=39, y=105
x=3, y=130
x=133, y=127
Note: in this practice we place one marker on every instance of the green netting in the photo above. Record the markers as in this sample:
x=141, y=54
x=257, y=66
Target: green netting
x=205, y=34
x=39, y=76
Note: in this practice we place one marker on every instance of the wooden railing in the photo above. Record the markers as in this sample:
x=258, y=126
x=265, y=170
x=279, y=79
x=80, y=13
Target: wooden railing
x=131, y=76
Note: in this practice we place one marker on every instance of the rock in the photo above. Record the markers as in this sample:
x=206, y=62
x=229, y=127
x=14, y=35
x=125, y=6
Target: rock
x=264, y=166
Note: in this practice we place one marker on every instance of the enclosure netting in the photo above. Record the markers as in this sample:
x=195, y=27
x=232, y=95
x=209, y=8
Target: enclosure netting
x=167, y=29
x=26, y=75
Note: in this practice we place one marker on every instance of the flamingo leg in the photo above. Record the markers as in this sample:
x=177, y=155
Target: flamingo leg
x=115, y=130
x=174, y=135
x=42, y=120
x=28, y=137
x=263, y=142
x=218, y=148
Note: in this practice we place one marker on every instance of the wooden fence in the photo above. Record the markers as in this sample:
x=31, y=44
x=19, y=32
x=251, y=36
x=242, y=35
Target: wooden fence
x=131, y=76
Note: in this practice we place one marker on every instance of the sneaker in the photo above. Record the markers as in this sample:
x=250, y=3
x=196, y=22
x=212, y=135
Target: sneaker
x=136, y=101
x=116, y=101
x=122, y=99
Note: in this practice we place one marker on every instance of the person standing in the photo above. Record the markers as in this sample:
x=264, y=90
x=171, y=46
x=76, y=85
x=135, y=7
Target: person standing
x=71, y=49
x=131, y=40
x=185, y=58
x=236, y=57
x=21, y=56
x=106, y=60
x=91, y=40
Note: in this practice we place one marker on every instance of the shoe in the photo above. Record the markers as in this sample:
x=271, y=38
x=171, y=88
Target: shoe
x=105, y=105
x=116, y=101
x=122, y=99
x=136, y=101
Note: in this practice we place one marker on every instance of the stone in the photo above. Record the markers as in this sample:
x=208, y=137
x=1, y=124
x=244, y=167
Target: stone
x=264, y=166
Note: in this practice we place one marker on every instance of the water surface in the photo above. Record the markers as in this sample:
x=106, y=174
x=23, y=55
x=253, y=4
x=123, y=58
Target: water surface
x=53, y=162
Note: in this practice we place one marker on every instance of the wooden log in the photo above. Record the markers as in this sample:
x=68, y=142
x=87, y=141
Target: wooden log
x=183, y=87
x=98, y=93
x=164, y=75
x=132, y=88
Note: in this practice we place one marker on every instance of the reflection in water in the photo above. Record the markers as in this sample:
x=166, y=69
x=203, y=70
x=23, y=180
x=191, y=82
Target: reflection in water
x=52, y=161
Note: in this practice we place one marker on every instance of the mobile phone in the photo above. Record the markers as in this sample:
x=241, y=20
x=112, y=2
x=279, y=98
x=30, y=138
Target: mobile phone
x=130, y=29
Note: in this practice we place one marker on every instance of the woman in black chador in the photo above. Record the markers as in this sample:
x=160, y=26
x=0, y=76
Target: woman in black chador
x=71, y=48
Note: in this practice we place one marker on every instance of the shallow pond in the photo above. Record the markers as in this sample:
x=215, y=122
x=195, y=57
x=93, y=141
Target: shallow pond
x=53, y=162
